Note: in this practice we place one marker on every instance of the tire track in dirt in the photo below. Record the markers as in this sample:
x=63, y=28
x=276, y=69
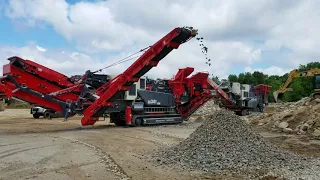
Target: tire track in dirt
x=3, y=145
x=4, y=152
x=158, y=133
x=106, y=159
x=23, y=150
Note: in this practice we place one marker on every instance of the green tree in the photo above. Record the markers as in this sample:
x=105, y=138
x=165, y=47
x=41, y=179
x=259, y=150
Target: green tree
x=259, y=77
x=249, y=79
x=242, y=78
x=233, y=78
x=216, y=79
x=310, y=65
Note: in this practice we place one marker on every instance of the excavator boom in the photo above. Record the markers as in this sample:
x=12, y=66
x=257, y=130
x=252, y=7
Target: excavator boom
x=292, y=75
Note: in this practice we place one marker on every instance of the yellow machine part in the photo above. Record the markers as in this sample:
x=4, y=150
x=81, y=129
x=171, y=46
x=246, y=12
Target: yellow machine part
x=294, y=74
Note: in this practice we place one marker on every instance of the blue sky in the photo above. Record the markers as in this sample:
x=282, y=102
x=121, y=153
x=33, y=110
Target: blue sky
x=72, y=35
x=16, y=34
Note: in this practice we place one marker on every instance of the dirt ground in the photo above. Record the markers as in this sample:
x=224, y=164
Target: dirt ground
x=52, y=149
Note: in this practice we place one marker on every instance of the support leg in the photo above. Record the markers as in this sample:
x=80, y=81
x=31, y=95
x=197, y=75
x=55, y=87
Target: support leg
x=66, y=115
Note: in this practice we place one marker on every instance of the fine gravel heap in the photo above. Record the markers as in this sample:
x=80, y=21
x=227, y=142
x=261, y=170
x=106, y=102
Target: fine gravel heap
x=224, y=143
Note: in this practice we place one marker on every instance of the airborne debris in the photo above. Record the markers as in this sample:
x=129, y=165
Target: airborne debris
x=204, y=49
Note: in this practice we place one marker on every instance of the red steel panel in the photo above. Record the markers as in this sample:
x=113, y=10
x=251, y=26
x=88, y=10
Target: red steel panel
x=197, y=98
x=6, y=69
x=30, y=98
x=38, y=84
x=128, y=115
x=43, y=71
x=177, y=83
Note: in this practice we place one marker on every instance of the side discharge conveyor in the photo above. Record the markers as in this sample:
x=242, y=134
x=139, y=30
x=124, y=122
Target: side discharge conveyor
x=33, y=83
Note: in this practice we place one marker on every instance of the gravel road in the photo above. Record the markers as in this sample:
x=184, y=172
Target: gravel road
x=52, y=149
x=37, y=156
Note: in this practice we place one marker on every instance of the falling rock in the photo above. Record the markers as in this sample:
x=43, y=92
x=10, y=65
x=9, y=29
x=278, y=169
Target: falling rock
x=283, y=125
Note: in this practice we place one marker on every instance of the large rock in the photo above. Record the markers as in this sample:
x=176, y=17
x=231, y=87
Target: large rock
x=316, y=132
x=287, y=130
x=281, y=115
x=305, y=127
x=283, y=125
x=311, y=122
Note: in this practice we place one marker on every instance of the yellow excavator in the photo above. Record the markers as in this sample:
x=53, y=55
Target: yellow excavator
x=315, y=73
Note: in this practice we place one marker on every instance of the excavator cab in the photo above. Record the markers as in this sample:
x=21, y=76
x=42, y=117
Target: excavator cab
x=315, y=73
x=316, y=82
x=316, y=86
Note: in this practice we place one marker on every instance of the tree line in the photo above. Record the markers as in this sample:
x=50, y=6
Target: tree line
x=302, y=86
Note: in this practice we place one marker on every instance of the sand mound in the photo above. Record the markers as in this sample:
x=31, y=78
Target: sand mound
x=302, y=117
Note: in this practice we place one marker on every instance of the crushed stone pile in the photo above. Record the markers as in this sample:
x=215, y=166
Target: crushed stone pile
x=301, y=117
x=225, y=143
x=207, y=108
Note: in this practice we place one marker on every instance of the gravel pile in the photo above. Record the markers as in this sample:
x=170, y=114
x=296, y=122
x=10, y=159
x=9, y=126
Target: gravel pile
x=224, y=143
x=207, y=108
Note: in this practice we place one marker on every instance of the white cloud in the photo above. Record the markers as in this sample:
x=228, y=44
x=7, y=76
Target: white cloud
x=115, y=24
x=272, y=45
x=71, y=63
x=228, y=27
x=273, y=70
x=187, y=55
x=68, y=63
x=41, y=49
x=91, y=25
